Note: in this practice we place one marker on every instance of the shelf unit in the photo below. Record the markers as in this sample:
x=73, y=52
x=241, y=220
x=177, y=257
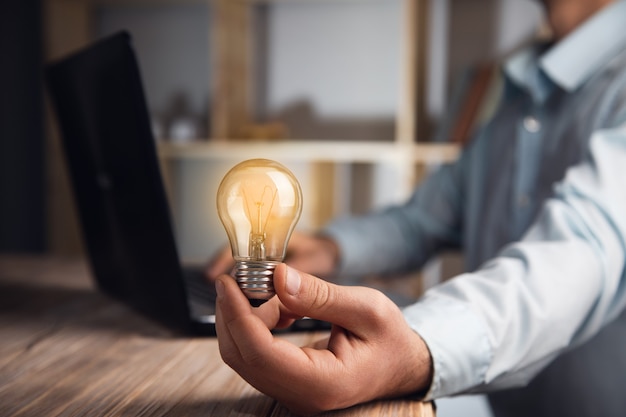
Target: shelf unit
x=69, y=25
x=192, y=173
x=405, y=163
x=232, y=79
x=320, y=151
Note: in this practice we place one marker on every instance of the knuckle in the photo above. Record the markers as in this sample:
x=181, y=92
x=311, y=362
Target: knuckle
x=322, y=295
x=229, y=357
x=382, y=311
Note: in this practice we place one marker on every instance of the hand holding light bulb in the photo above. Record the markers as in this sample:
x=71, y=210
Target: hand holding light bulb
x=259, y=202
x=352, y=365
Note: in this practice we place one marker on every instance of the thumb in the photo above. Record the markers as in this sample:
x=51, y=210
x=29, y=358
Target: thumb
x=357, y=309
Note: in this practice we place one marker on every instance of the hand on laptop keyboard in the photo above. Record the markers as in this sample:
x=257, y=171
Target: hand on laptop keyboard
x=316, y=255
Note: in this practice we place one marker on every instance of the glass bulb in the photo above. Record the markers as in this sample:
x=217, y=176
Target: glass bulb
x=259, y=202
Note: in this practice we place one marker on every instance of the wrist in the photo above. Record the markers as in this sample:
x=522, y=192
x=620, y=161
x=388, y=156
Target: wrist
x=331, y=254
x=332, y=250
x=425, y=370
x=421, y=369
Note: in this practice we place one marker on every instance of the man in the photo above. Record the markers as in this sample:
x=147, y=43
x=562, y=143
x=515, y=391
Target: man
x=537, y=202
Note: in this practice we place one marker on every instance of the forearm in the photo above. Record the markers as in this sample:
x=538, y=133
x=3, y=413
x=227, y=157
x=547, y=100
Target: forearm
x=499, y=326
x=402, y=238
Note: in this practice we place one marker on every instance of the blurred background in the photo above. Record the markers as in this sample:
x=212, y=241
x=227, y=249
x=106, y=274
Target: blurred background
x=273, y=72
x=358, y=97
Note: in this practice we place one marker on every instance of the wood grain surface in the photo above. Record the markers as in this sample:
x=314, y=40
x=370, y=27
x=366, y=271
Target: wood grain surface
x=68, y=350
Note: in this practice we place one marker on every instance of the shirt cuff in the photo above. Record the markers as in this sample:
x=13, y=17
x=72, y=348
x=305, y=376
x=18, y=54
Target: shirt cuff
x=458, y=342
x=348, y=260
x=362, y=250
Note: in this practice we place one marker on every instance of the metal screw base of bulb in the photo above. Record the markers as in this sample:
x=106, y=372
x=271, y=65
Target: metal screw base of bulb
x=255, y=279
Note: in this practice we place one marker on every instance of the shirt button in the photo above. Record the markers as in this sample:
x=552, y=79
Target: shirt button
x=532, y=124
x=523, y=200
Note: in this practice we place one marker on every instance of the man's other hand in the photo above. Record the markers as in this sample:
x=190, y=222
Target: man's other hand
x=313, y=254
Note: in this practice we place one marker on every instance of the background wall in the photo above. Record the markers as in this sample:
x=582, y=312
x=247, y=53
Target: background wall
x=330, y=69
x=333, y=68
x=174, y=49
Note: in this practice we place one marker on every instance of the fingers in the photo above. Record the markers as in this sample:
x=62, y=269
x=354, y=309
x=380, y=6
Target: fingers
x=308, y=253
x=357, y=309
x=274, y=366
x=352, y=365
x=242, y=335
x=221, y=263
x=312, y=254
x=236, y=320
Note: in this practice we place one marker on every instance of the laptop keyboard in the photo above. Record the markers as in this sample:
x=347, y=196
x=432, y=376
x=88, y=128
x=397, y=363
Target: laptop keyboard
x=201, y=293
x=200, y=290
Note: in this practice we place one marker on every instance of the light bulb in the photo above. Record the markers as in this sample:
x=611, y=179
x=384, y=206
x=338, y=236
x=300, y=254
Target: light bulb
x=259, y=202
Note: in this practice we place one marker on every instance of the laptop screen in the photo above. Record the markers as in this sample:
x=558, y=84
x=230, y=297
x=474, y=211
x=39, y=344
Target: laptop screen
x=113, y=166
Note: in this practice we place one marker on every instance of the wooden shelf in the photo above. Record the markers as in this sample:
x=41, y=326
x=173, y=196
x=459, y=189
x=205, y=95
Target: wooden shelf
x=312, y=151
x=301, y=1
x=147, y=3
x=181, y=2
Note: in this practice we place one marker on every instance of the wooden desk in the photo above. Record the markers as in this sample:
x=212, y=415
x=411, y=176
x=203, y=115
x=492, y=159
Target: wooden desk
x=66, y=349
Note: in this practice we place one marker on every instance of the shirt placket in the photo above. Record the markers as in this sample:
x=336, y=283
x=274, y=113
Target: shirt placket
x=527, y=159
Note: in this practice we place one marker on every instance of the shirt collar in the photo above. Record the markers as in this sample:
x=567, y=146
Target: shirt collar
x=575, y=58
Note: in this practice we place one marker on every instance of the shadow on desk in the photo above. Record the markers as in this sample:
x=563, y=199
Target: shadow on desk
x=51, y=307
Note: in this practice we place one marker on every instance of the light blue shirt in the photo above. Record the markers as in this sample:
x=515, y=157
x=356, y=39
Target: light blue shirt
x=537, y=202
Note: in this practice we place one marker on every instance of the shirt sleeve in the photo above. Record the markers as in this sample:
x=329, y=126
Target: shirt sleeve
x=500, y=325
x=402, y=238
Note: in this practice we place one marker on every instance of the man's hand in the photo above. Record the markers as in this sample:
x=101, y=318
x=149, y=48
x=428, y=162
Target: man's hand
x=313, y=254
x=221, y=263
x=371, y=352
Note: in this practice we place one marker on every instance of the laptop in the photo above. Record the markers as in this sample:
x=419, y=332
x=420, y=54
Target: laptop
x=112, y=160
